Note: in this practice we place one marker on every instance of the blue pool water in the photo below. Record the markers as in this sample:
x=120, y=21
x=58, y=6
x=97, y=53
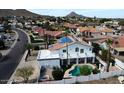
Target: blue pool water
x=75, y=71
x=65, y=40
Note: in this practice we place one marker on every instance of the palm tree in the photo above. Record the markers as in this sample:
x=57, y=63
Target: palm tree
x=66, y=34
x=108, y=42
x=45, y=36
x=25, y=73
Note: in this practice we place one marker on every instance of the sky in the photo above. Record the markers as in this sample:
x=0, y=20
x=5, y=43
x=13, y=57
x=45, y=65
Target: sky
x=101, y=13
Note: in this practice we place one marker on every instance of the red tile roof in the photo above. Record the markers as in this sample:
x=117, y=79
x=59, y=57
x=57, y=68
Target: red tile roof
x=51, y=33
x=87, y=29
x=119, y=42
x=59, y=45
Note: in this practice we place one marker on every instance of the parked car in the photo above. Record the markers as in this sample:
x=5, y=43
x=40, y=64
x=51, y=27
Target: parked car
x=0, y=55
x=18, y=39
x=44, y=78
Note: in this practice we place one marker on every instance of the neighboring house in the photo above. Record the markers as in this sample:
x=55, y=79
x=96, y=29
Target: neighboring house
x=71, y=27
x=61, y=55
x=86, y=31
x=105, y=30
x=50, y=34
x=94, y=32
x=102, y=43
x=117, y=47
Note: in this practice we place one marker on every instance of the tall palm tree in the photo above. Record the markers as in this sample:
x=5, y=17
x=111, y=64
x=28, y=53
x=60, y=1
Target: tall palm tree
x=66, y=34
x=45, y=38
x=25, y=73
x=109, y=43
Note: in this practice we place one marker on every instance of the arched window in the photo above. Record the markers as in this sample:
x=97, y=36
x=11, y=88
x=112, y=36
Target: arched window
x=76, y=49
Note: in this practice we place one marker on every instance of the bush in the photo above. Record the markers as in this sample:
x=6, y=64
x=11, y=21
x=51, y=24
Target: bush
x=57, y=73
x=112, y=61
x=35, y=41
x=85, y=70
x=36, y=48
x=96, y=71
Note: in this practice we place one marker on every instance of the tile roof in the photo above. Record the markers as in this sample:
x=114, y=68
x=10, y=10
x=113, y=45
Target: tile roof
x=70, y=25
x=59, y=45
x=118, y=42
x=92, y=29
x=51, y=33
x=89, y=29
x=106, y=30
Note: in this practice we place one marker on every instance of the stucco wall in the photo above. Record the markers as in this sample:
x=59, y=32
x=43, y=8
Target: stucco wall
x=49, y=63
x=71, y=49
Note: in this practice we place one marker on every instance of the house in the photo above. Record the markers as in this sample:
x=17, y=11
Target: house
x=70, y=26
x=105, y=30
x=63, y=54
x=51, y=34
x=117, y=48
x=86, y=31
x=94, y=32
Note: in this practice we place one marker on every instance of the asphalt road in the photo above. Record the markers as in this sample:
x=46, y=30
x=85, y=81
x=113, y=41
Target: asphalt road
x=11, y=61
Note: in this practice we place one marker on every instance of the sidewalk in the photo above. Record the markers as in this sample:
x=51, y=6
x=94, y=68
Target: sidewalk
x=31, y=62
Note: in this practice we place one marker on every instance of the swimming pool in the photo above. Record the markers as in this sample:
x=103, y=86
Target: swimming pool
x=81, y=70
x=75, y=71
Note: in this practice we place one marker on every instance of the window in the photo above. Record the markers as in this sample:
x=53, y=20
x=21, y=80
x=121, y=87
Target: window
x=76, y=49
x=64, y=51
x=82, y=51
x=90, y=49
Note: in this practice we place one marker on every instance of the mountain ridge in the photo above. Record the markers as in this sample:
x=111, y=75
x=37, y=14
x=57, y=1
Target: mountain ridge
x=17, y=12
x=74, y=14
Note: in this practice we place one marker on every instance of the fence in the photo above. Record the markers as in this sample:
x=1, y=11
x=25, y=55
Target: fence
x=91, y=77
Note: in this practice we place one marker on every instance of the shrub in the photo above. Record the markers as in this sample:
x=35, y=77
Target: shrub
x=112, y=61
x=36, y=48
x=96, y=71
x=57, y=73
x=25, y=73
x=85, y=70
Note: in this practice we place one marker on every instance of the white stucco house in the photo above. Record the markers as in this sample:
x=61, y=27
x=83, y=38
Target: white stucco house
x=65, y=54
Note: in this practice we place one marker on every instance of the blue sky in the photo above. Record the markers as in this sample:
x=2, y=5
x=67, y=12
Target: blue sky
x=114, y=13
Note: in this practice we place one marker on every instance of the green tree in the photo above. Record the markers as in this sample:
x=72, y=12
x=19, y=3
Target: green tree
x=104, y=54
x=121, y=23
x=96, y=48
x=109, y=43
x=25, y=73
x=104, y=20
x=66, y=33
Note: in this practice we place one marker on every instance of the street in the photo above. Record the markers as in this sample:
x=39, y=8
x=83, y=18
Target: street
x=12, y=59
